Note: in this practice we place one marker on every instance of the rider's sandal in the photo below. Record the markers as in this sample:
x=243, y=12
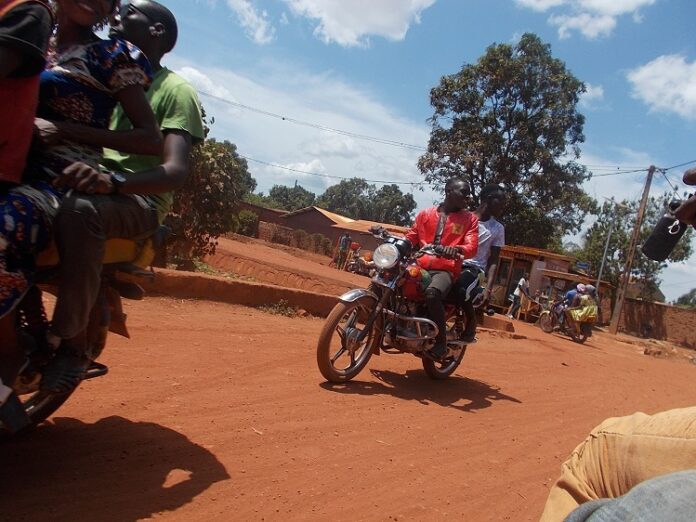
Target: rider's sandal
x=64, y=373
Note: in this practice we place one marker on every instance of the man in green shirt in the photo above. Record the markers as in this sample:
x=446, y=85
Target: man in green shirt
x=128, y=199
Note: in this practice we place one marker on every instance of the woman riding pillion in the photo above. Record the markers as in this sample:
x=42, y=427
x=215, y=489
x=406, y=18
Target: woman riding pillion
x=583, y=310
x=453, y=232
x=84, y=80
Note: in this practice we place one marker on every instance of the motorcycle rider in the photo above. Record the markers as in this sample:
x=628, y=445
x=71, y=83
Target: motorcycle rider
x=453, y=232
x=94, y=212
x=25, y=30
x=491, y=238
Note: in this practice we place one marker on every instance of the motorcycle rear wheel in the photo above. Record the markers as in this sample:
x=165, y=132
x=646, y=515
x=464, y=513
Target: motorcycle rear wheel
x=39, y=406
x=343, y=324
x=442, y=370
x=546, y=322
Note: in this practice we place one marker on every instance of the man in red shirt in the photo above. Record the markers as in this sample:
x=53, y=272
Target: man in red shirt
x=454, y=232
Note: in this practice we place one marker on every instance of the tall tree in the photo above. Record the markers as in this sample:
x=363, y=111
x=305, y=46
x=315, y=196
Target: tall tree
x=512, y=118
x=358, y=199
x=291, y=198
x=644, y=271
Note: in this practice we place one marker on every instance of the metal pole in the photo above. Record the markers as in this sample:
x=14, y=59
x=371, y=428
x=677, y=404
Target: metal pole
x=616, y=316
x=606, y=248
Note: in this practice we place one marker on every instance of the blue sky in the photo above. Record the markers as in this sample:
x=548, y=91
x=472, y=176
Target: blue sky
x=367, y=66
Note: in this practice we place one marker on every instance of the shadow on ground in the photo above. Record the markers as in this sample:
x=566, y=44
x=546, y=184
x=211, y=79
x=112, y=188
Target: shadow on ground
x=113, y=470
x=456, y=392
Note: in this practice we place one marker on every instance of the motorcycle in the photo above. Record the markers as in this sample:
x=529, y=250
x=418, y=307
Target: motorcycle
x=389, y=316
x=359, y=265
x=554, y=319
x=125, y=262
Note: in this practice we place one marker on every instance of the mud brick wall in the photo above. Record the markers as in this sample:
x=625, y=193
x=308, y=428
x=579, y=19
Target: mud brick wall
x=659, y=321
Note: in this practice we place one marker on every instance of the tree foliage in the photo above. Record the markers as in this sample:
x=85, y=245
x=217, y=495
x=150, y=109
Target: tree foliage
x=687, y=300
x=623, y=216
x=204, y=207
x=511, y=118
x=291, y=198
x=358, y=199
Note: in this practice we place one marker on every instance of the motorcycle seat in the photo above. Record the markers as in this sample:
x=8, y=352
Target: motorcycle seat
x=131, y=255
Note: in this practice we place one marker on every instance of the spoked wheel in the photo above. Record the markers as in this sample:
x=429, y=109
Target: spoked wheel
x=546, y=321
x=443, y=369
x=340, y=356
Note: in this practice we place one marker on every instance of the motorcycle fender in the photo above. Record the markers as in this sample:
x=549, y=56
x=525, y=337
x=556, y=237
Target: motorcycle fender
x=117, y=323
x=358, y=293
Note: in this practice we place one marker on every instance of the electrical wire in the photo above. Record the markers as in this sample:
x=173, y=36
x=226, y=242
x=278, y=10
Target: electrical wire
x=318, y=174
x=318, y=126
x=680, y=165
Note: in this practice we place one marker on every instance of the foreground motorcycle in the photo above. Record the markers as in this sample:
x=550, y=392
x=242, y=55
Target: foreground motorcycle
x=125, y=261
x=554, y=319
x=389, y=316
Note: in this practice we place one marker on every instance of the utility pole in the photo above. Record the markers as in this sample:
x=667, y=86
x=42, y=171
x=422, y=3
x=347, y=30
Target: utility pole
x=606, y=245
x=621, y=295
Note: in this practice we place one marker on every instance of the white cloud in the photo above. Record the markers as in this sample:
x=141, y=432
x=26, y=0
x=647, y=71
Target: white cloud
x=592, y=18
x=666, y=84
x=351, y=23
x=591, y=26
x=255, y=22
x=318, y=98
x=592, y=96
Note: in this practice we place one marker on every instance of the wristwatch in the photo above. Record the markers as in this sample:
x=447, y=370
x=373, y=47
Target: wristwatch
x=117, y=181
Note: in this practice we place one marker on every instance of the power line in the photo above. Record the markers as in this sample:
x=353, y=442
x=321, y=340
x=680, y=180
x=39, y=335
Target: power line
x=318, y=174
x=619, y=172
x=680, y=165
x=318, y=126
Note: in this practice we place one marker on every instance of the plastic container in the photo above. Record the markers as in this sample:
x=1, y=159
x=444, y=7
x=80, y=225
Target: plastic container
x=665, y=235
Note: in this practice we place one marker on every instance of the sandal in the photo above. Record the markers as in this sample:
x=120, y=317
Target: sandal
x=64, y=372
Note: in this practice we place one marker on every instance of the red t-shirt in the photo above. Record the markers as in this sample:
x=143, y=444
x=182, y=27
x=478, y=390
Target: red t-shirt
x=461, y=230
x=19, y=94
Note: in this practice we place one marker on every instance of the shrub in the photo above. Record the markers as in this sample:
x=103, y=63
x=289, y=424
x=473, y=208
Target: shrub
x=248, y=221
x=315, y=242
x=300, y=239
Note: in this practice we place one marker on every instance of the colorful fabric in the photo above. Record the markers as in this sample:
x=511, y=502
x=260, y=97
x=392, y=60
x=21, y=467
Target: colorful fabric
x=587, y=311
x=25, y=228
x=177, y=108
x=80, y=85
x=26, y=28
x=461, y=230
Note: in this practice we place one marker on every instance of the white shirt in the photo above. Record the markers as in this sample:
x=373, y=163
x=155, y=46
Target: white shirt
x=491, y=234
x=524, y=284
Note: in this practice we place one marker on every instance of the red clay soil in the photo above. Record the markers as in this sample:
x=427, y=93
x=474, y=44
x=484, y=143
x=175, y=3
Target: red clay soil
x=282, y=265
x=217, y=412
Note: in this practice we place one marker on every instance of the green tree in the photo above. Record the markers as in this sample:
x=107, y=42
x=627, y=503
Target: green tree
x=291, y=198
x=623, y=216
x=688, y=300
x=204, y=207
x=358, y=199
x=248, y=223
x=511, y=118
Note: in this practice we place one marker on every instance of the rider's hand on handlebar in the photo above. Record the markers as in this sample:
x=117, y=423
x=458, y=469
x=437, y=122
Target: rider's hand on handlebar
x=449, y=252
x=83, y=178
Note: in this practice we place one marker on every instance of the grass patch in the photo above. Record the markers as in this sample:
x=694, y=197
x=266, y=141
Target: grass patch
x=282, y=307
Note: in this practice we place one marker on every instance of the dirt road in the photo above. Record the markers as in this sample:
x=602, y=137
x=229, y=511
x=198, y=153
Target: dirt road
x=217, y=412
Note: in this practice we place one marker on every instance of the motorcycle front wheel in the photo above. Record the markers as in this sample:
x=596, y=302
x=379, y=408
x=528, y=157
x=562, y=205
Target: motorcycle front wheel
x=340, y=356
x=546, y=321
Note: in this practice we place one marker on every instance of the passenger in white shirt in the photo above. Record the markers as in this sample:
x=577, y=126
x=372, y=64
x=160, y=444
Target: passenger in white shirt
x=491, y=240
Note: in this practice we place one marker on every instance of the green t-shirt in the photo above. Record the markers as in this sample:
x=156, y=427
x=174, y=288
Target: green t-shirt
x=176, y=106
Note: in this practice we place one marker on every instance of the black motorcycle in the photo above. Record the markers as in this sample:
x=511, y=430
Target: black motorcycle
x=389, y=316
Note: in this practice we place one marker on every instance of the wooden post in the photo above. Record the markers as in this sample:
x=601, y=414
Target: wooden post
x=616, y=316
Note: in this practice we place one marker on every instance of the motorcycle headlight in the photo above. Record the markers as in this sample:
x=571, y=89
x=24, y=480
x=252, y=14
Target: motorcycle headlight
x=385, y=256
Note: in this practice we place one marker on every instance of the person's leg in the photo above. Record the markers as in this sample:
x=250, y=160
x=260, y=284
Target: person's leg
x=439, y=287
x=83, y=225
x=11, y=356
x=465, y=287
x=516, y=302
x=620, y=453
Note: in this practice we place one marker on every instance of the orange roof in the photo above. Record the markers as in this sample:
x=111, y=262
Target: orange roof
x=554, y=274
x=346, y=223
x=336, y=218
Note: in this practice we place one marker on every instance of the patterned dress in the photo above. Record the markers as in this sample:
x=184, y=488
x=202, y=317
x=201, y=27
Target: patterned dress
x=78, y=85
